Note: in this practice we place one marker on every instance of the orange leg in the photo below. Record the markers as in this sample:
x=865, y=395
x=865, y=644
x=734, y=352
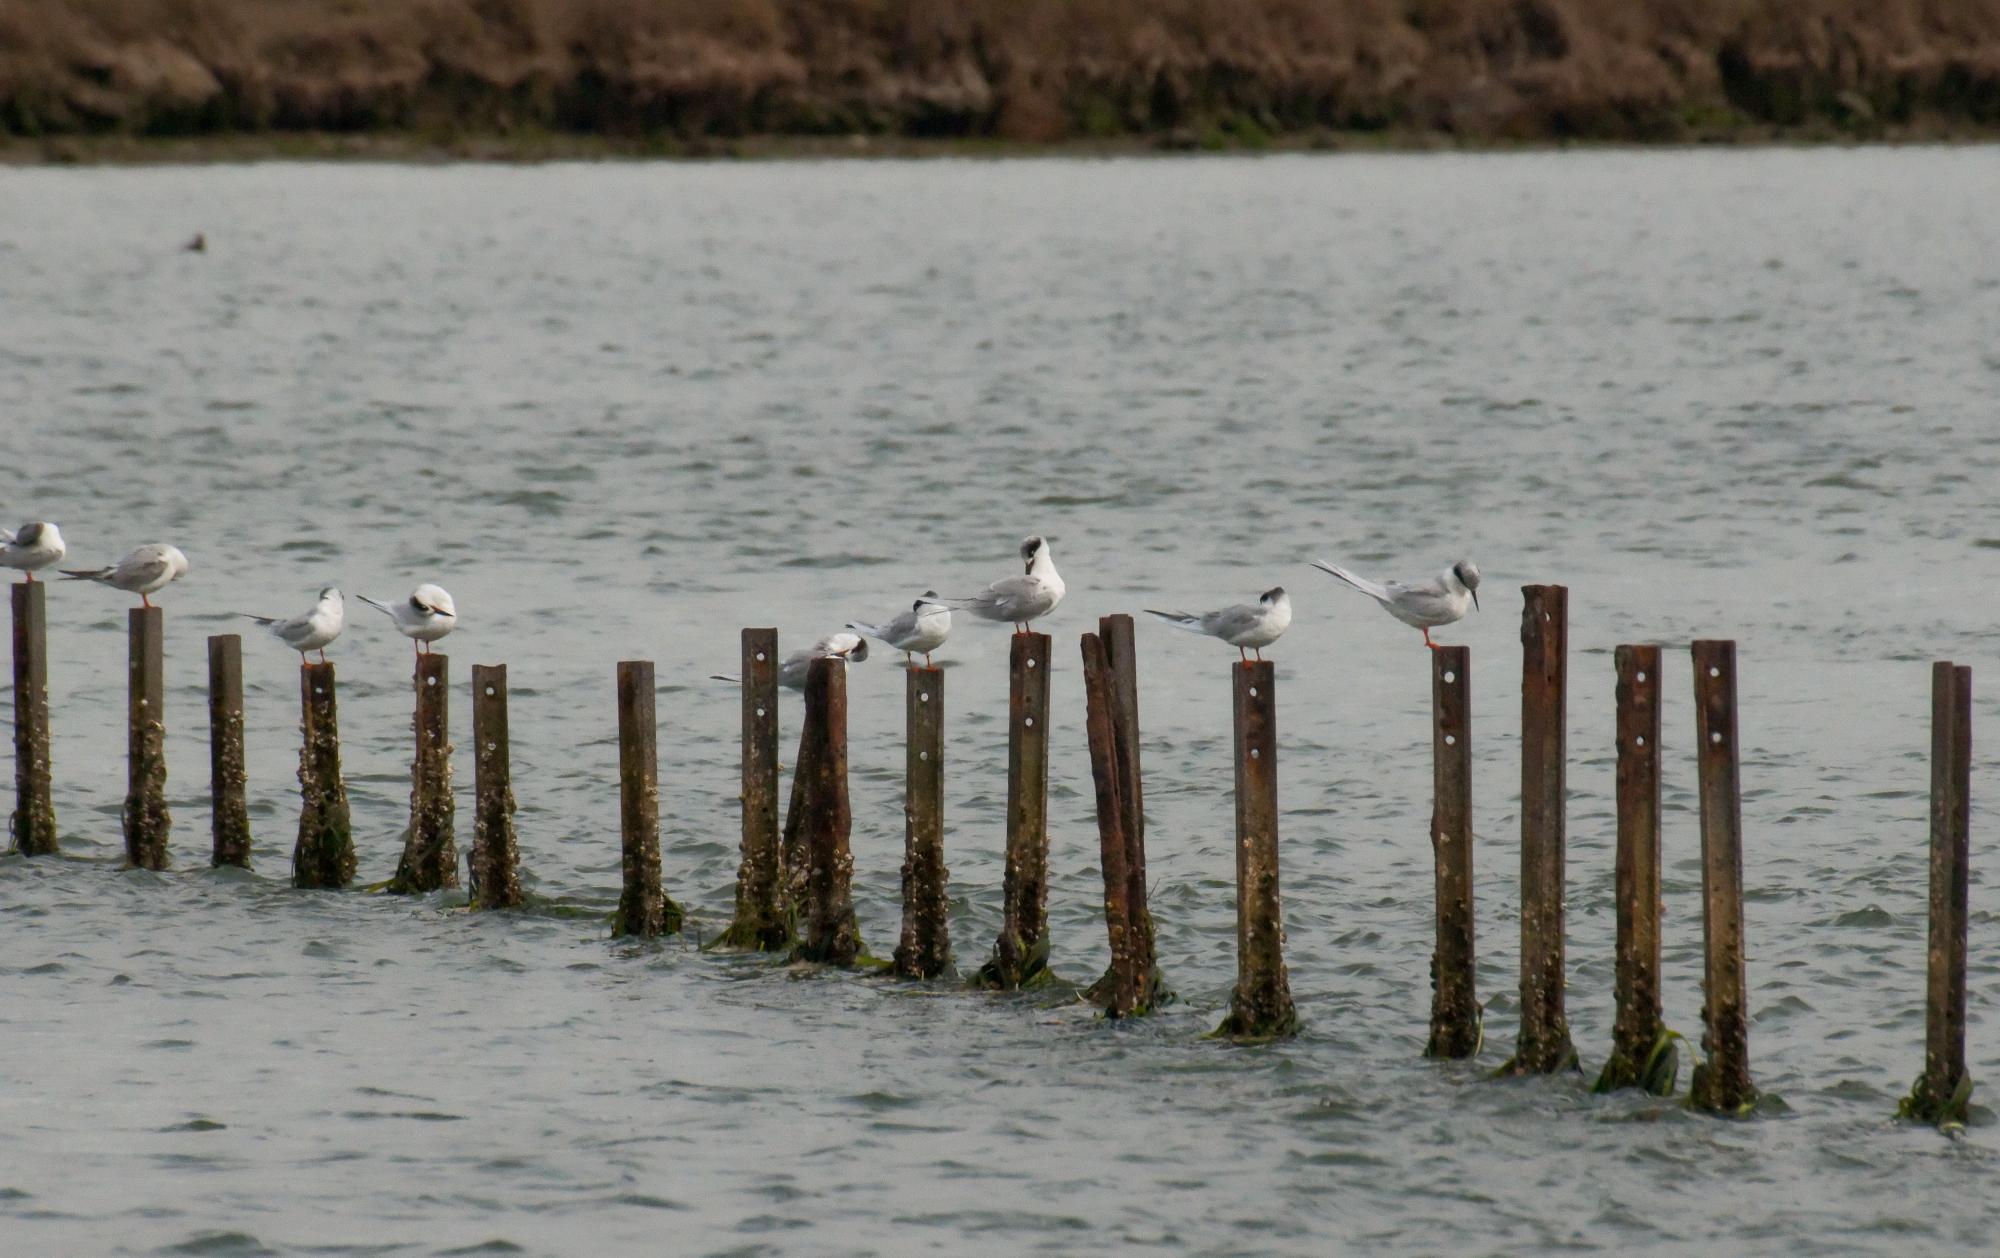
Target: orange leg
x=147, y=601
x=1427, y=641
x=31, y=578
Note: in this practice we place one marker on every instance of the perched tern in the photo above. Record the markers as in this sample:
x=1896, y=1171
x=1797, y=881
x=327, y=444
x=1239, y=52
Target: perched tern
x=32, y=547
x=427, y=615
x=1246, y=625
x=1423, y=605
x=846, y=647
x=145, y=572
x=312, y=631
x=922, y=628
x=1024, y=599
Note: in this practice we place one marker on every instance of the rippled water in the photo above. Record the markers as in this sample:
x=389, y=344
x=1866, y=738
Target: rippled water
x=621, y=411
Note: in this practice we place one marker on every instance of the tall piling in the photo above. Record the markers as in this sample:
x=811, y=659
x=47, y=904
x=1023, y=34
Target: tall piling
x=1119, y=993
x=1722, y=1082
x=323, y=856
x=761, y=922
x=147, y=820
x=1261, y=1006
x=32, y=825
x=1542, y=1045
x=924, y=949
x=644, y=908
x=496, y=858
x=1021, y=953
x=1643, y=1055
x=430, y=852
x=828, y=933
x=1121, y=653
x=229, y=810
x=1942, y=1094
x=1456, y=1027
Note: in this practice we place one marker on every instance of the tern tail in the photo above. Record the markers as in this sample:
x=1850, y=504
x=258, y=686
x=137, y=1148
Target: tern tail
x=1179, y=620
x=262, y=620
x=380, y=607
x=1363, y=584
x=86, y=574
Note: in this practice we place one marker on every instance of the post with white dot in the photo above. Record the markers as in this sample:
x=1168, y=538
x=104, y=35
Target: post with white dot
x=1542, y=1046
x=323, y=856
x=33, y=823
x=1021, y=954
x=761, y=923
x=430, y=854
x=1722, y=1082
x=924, y=949
x=146, y=818
x=229, y=811
x=495, y=864
x=1261, y=1006
x=1643, y=1054
x=1456, y=1030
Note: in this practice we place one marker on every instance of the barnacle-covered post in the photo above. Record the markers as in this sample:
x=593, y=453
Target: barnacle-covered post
x=1021, y=953
x=1455, y=1012
x=924, y=950
x=323, y=857
x=146, y=818
x=761, y=921
x=1542, y=1045
x=1943, y=1093
x=1261, y=1006
x=430, y=853
x=1721, y=1083
x=495, y=863
x=1642, y=1053
x=228, y=809
x=828, y=933
x=643, y=908
x=33, y=823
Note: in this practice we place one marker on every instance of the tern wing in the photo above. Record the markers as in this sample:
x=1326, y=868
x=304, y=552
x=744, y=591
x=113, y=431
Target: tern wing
x=380, y=607
x=1232, y=622
x=1379, y=593
x=141, y=568
x=1183, y=620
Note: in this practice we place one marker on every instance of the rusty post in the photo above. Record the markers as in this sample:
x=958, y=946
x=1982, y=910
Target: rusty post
x=1261, y=1006
x=1722, y=1082
x=1119, y=994
x=495, y=864
x=229, y=811
x=1456, y=1026
x=1642, y=1053
x=1021, y=954
x=1120, y=651
x=146, y=818
x=924, y=951
x=33, y=824
x=1942, y=1094
x=324, y=854
x=761, y=921
x=827, y=928
x=644, y=908
x=1542, y=1045
x=430, y=852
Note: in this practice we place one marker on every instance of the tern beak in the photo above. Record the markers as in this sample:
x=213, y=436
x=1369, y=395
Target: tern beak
x=1475, y=599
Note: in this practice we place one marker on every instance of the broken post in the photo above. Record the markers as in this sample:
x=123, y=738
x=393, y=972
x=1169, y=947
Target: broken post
x=1542, y=1045
x=1942, y=1094
x=323, y=857
x=924, y=950
x=430, y=852
x=1456, y=1028
x=1021, y=954
x=229, y=811
x=828, y=933
x=643, y=908
x=495, y=864
x=1642, y=1053
x=1120, y=652
x=146, y=818
x=33, y=824
x=1119, y=993
x=761, y=921
x=1261, y=1006
x=1721, y=1083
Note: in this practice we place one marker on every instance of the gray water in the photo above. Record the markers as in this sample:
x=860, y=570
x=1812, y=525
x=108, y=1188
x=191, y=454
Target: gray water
x=621, y=411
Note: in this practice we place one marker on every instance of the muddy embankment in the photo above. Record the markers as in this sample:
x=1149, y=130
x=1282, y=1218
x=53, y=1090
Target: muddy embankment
x=1171, y=72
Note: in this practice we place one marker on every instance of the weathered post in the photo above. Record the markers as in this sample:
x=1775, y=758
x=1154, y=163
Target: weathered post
x=644, y=908
x=1261, y=1006
x=1456, y=1017
x=33, y=824
x=495, y=864
x=146, y=818
x=1120, y=651
x=924, y=950
x=323, y=857
x=1119, y=992
x=229, y=811
x=1642, y=1053
x=1543, y=1044
x=430, y=853
x=828, y=931
x=1942, y=1094
x=1021, y=954
x=761, y=922
x=1722, y=1082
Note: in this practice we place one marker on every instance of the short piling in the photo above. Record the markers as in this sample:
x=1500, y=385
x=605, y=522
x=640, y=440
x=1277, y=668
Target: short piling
x=1120, y=652
x=1261, y=1006
x=1542, y=1045
x=147, y=820
x=33, y=823
x=1456, y=1028
x=1722, y=1082
x=828, y=933
x=761, y=922
x=495, y=864
x=1021, y=953
x=1643, y=1055
x=644, y=908
x=430, y=851
x=229, y=810
x=323, y=856
x=1942, y=1094
x=1119, y=993
x=924, y=949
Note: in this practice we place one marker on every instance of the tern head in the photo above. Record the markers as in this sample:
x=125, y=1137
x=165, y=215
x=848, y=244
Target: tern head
x=39, y=533
x=1031, y=549
x=432, y=600
x=1273, y=596
x=929, y=598
x=1467, y=573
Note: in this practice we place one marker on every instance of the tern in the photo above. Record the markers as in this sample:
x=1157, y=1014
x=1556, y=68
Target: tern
x=846, y=647
x=1024, y=599
x=1424, y=605
x=32, y=547
x=922, y=628
x=1251, y=626
x=427, y=615
x=145, y=572
x=312, y=631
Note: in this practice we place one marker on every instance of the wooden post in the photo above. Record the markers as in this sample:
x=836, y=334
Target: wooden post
x=924, y=951
x=33, y=824
x=229, y=811
x=1120, y=652
x=1942, y=1094
x=146, y=818
x=1021, y=954
x=1261, y=1006
x=644, y=908
x=1119, y=993
x=1456, y=1017
x=495, y=864
x=1721, y=1083
x=1543, y=1044
x=1642, y=1053
x=761, y=921
x=829, y=933
x=430, y=853
x=323, y=857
